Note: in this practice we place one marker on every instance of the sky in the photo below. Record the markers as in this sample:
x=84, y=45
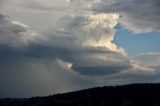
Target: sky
x=56, y=46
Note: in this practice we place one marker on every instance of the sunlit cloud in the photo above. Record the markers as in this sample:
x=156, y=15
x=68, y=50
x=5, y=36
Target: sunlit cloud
x=106, y=23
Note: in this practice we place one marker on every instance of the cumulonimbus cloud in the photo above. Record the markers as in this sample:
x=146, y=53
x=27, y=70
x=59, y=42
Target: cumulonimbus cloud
x=93, y=38
x=91, y=50
x=79, y=47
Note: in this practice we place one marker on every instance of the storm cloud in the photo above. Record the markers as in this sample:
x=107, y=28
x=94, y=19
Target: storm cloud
x=65, y=45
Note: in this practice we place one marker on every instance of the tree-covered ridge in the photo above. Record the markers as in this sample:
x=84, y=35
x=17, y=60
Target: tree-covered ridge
x=126, y=95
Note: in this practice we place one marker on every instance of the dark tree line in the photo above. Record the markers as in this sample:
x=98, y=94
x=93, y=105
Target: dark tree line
x=127, y=95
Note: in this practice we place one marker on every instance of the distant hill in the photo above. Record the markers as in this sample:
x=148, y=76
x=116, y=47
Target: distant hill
x=126, y=95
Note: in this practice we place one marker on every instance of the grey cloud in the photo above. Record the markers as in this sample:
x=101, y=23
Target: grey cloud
x=71, y=50
x=62, y=6
x=74, y=33
x=2, y=17
x=100, y=63
x=14, y=33
x=26, y=77
x=100, y=71
x=138, y=16
x=148, y=70
x=64, y=46
x=48, y=5
x=79, y=56
x=148, y=58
